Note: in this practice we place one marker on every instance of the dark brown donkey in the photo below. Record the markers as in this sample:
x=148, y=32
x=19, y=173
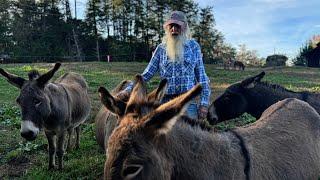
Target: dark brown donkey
x=106, y=121
x=154, y=143
x=254, y=96
x=56, y=107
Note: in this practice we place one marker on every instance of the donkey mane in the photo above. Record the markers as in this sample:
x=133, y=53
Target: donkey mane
x=274, y=86
x=33, y=74
x=196, y=123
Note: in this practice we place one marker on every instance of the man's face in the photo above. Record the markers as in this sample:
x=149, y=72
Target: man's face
x=175, y=29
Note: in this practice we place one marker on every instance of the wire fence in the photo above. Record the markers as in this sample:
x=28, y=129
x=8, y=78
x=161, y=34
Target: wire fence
x=49, y=59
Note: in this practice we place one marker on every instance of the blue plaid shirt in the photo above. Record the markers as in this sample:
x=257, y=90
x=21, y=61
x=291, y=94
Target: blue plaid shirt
x=181, y=76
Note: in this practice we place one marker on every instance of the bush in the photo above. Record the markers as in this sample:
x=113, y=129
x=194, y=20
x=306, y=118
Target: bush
x=276, y=60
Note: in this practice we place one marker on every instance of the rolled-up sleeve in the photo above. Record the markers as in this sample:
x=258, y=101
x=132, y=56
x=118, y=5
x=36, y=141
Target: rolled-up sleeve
x=201, y=76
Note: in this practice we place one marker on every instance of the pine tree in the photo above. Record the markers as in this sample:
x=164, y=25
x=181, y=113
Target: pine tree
x=300, y=59
x=5, y=23
x=92, y=19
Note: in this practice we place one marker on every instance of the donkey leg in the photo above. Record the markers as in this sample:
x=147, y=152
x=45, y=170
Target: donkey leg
x=70, y=131
x=52, y=149
x=60, y=149
x=78, y=130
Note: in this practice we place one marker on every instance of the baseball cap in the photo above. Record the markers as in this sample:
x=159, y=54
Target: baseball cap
x=176, y=17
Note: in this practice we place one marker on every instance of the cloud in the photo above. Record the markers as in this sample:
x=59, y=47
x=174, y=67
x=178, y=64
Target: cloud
x=269, y=26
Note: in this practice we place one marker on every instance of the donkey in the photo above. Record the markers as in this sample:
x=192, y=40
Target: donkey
x=253, y=96
x=107, y=121
x=56, y=107
x=154, y=143
x=238, y=65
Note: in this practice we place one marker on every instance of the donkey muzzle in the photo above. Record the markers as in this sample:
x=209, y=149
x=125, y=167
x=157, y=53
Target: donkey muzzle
x=28, y=130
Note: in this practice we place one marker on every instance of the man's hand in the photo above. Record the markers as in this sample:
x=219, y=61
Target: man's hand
x=123, y=95
x=203, y=111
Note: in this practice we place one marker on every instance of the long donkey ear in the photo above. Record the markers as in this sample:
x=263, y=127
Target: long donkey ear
x=138, y=95
x=13, y=79
x=165, y=116
x=251, y=81
x=157, y=94
x=115, y=105
x=43, y=79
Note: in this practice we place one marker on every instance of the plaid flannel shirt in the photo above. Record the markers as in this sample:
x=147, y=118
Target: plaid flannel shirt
x=181, y=76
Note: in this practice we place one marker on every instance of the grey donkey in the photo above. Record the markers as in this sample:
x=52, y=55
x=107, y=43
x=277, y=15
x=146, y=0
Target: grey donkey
x=58, y=108
x=155, y=143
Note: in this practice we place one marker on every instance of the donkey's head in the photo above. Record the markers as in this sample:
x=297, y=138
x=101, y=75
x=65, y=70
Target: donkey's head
x=33, y=101
x=233, y=102
x=133, y=149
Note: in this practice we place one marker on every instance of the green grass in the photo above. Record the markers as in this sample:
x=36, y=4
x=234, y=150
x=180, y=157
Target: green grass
x=88, y=161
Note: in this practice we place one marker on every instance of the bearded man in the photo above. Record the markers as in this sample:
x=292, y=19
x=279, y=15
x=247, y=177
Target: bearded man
x=179, y=60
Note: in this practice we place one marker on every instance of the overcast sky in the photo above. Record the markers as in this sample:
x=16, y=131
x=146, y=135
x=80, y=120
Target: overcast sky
x=268, y=26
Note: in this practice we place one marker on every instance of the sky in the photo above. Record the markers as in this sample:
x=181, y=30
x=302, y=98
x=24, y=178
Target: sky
x=268, y=26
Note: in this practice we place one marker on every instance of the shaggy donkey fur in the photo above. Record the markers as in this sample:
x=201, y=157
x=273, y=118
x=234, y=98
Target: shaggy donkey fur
x=57, y=107
x=153, y=142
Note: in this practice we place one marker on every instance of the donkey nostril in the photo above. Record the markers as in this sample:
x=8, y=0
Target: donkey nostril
x=212, y=119
x=29, y=135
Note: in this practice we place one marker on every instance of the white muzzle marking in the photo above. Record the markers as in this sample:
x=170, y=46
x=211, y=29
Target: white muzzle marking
x=27, y=126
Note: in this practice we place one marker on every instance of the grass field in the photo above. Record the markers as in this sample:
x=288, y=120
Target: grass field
x=28, y=160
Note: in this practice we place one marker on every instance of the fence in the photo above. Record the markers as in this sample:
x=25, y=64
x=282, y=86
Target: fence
x=49, y=59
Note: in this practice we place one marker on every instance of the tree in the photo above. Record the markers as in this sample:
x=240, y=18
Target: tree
x=93, y=13
x=204, y=33
x=249, y=57
x=5, y=23
x=301, y=58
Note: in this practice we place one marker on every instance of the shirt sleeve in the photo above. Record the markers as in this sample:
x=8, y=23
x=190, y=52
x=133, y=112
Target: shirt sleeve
x=201, y=76
x=150, y=70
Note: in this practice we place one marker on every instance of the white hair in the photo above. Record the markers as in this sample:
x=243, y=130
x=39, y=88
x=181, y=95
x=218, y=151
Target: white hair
x=175, y=44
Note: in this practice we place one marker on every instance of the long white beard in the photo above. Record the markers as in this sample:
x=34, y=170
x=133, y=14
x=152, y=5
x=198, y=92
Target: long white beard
x=175, y=47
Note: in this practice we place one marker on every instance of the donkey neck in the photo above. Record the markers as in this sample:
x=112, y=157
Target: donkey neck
x=200, y=154
x=264, y=95
x=59, y=103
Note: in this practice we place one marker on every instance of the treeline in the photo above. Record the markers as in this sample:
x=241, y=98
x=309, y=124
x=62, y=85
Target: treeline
x=127, y=30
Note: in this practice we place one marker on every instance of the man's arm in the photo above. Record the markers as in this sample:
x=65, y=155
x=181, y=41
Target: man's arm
x=150, y=70
x=202, y=77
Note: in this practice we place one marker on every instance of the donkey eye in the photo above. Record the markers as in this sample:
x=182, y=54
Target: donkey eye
x=131, y=171
x=36, y=102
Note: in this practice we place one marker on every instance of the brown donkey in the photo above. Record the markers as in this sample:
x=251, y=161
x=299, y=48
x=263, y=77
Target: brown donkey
x=153, y=143
x=106, y=121
x=56, y=107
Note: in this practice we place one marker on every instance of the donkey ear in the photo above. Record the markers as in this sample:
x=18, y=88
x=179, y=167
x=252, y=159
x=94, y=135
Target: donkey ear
x=157, y=94
x=165, y=116
x=115, y=105
x=43, y=79
x=138, y=94
x=251, y=81
x=13, y=79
